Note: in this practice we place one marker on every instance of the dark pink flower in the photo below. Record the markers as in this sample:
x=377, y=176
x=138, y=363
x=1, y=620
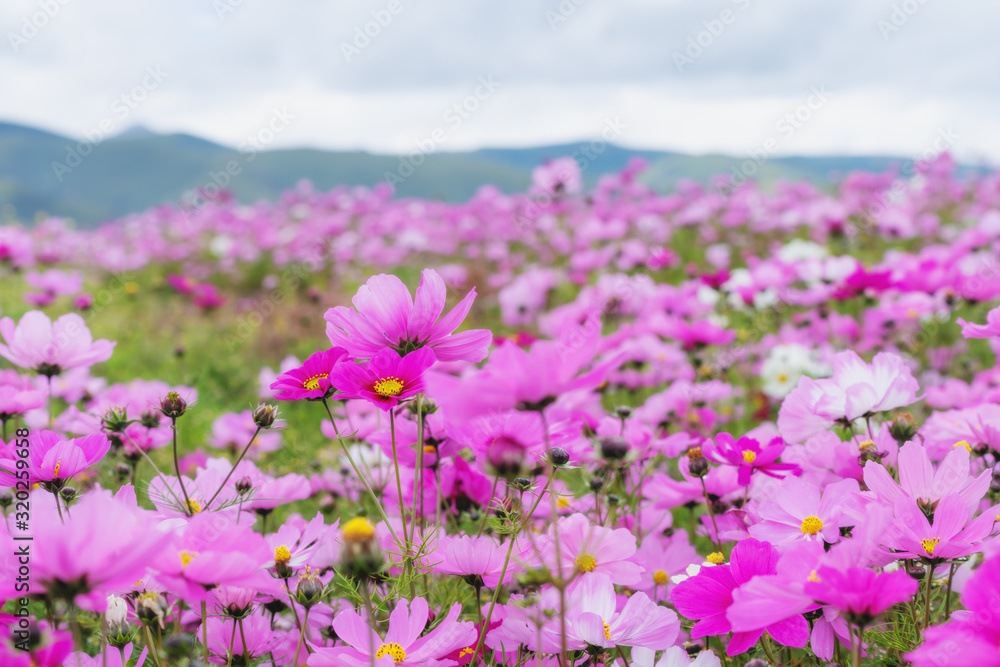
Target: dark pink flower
x=748, y=456
x=385, y=379
x=311, y=380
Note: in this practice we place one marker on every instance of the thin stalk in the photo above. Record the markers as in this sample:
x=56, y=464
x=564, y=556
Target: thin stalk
x=927, y=597
x=371, y=621
x=151, y=646
x=354, y=466
x=399, y=484
x=486, y=510
x=233, y=469
x=711, y=514
x=947, y=596
x=493, y=601
x=204, y=628
x=302, y=635
x=291, y=603
x=857, y=649
x=243, y=639
x=188, y=509
x=58, y=508
x=418, y=478
x=232, y=641
x=159, y=474
x=766, y=643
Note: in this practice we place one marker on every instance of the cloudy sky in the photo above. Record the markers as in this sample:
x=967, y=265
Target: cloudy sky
x=698, y=76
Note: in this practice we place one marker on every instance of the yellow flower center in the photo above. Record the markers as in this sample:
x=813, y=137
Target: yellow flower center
x=749, y=456
x=716, y=558
x=187, y=557
x=866, y=444
x=282, y=555
x=393, y=649
x=813, y=577
x=358, y=529
x=131, y=288
x=312, y=384
x=55, y=471
x=562, y=502
x=388, y=387
x=607, y=630
x=468, y=650
x=659, y=577
x=929, y=545
x=137, y=584
x=430, y=449
x=585, y=563
x=962, y=443
x=811, y=525
x=194, y=506
x=782, y=378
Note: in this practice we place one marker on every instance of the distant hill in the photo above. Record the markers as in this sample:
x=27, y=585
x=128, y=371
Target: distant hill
x=137, y=169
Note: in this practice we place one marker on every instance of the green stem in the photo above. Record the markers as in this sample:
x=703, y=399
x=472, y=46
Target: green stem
x=711, y=515
x=858, y=649
x=927, y=597
x=188, y=508
x=243, y=639
x=302, y=635
x=204, y=628
x=947, y=597
x=354, y=466
x=232, y=641
x=150, y=645
x=233, y=469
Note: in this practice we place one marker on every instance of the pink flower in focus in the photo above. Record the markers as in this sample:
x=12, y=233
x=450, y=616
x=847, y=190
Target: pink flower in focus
x=748, y=456
x=594, y=618
x=386, y=316
x=586, y=548
x=920, y=481
x=385, y=379
x=473, y=557
x=55, y=459
x=797, y=512
x=50, y=348
x=311, y=380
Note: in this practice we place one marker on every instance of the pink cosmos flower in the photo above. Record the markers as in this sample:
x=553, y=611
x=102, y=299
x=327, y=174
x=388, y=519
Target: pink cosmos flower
x=797, y=512
x=311, y=380
x=233, y=430
x=707, y=596
x=386, y=316
x=663, y=557
x=53, y=458
x=586, y=548
x=16, y=400
x=920, y=481
x=110, y=657
x=403, y=644
x=595, y=619
x=103, y=546
x=260, y=638
x=971, y=636
x=952, y=535
x=856, y=389
x=385, y=379
x=50, y=348
x=472, y=557
x=674, y=656
x=988, y=330
x=859, y=592
x=748, y=456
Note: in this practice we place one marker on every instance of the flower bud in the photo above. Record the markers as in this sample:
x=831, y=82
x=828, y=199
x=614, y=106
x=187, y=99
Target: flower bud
x=613, y=449
x=150, y=607
x=67, y=493
x=309, y=589
x=150, y=418
x=120, y=632
x=6, y=498
x=244, y=485
x=123, y=471
x=698, y=467
x=360, y=555
x=115, y=420
x=918, y=572
x=903, y=427
x=596, y=484
x=173, y=406
x=558, y=456
x=521, y=483
x=623, y=412
x=265, y=415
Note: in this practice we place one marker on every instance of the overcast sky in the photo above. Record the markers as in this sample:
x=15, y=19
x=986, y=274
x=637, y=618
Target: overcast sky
x=863, y=76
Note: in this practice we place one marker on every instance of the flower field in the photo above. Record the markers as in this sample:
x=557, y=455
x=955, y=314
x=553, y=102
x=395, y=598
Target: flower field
x=571, y=426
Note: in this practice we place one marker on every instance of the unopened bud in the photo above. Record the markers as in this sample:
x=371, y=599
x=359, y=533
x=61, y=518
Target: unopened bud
x=521, y=483
x=309, y=589
x=244, y=485
x=917, y=572
x=67, y=493
x=173, y=406
x=613, y=449
x=596, y=484
x=120, y=633
x=124, y=471
x=558, y=456
x=115, y=420
x=150, y=607
x=265, y=415
x=150, y=418
x=6, y=498
x=623, y=411
x=903, y=427
x=360, y=556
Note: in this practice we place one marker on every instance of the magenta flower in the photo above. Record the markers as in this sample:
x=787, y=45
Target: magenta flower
x=972, y=636
x=385, y=379
x=707, y=596
x=748, y=456
x=55, y=459
x=988, y=330
x=403, y=643
x=386, y=316
x=311, y=380
x=49, y=347
x=797, y=512
x=859, y=592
